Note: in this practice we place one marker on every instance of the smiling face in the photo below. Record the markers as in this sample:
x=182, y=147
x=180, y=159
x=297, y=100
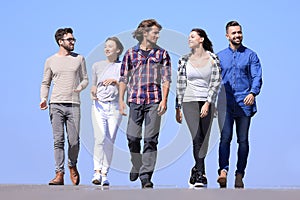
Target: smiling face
x=194, y=40
x=110, y=49
x=234, y=35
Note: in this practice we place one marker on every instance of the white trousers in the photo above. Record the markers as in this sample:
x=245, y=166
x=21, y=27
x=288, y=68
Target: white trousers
x=106, y=120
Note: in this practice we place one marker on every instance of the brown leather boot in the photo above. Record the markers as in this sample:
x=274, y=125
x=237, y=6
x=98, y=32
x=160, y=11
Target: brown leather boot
x=239, y=181
x=74, y=175
x=222, y=179
x=58, y=180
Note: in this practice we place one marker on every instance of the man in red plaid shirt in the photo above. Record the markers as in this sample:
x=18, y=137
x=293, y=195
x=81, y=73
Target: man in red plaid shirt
x=146, y=72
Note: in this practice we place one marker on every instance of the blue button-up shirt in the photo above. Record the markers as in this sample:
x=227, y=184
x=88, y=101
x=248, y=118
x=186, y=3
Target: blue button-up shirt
x=241, y=75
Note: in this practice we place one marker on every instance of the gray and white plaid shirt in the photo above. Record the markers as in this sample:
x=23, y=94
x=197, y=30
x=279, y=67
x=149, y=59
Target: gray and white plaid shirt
x=214, y=83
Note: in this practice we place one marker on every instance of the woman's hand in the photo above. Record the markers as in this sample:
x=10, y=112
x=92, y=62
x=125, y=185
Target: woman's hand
x=109, y=81
x=204, y=110
x=94, y=93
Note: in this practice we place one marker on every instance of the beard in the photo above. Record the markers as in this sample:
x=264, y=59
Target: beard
x=68, y=47
x=236, y=43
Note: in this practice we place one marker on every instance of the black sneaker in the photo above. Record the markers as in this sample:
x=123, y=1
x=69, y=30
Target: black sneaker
x=134, y=174
x=193, y=177
x=201, y=181
x=146, y=183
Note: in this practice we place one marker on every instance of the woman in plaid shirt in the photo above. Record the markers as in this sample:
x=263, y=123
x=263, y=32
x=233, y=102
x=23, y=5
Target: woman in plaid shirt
x=198, y=81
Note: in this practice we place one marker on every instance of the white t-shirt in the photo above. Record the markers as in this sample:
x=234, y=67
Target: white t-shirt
x=198, y=79
x=101, y=71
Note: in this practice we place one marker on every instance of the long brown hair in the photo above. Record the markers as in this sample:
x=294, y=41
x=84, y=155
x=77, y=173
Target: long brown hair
x=207, y=44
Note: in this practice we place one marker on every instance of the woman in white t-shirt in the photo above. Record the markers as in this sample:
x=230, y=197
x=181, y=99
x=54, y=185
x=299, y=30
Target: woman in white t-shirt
x=105, y=110
x=198, y=81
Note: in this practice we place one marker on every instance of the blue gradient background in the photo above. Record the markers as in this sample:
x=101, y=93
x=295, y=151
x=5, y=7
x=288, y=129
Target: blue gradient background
x=271, y=28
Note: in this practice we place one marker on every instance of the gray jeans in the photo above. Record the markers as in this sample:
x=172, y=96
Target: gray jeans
x=65, y=115
x=139, y=114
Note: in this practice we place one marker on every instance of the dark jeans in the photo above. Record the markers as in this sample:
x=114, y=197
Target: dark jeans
x=199, y=129
x=226, y=121
x=139, y=114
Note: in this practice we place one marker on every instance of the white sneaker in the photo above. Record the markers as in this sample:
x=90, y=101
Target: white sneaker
x=97, y=179
x=104, y=181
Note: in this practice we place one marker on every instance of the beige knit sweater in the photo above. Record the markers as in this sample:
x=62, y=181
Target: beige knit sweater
x=67, y=74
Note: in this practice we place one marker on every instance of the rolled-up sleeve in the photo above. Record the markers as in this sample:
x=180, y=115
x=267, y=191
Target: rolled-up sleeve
x=124, y=71
x=215, y=80
x=166, y=68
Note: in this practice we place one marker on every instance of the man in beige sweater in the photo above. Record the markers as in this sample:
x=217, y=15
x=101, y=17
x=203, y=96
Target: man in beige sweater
x=67, y=71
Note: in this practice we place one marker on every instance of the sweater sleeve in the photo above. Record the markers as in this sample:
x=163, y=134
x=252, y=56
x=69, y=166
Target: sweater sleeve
x=46, y=82
x=84, y=81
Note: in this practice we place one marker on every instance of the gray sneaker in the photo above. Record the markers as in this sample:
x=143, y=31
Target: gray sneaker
x=134, y=174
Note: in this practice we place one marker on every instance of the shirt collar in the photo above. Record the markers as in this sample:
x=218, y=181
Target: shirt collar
x=240, y=49
x=137, y=47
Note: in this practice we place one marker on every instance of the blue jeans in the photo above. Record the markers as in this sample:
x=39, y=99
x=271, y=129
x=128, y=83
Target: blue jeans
x=242, y=130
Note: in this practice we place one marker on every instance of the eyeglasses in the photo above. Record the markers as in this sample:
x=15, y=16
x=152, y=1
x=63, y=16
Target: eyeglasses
x=70, y=39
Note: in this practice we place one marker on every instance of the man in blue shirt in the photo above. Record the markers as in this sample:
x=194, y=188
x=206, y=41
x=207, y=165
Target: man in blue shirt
x=241, y=83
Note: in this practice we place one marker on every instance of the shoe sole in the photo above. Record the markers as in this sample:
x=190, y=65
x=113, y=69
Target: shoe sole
x=222, y=182
x=239, y=186
x=200, y=185
x=197, y=185
x=96, y=182
x=105, y=185
x=147, y=187
x=56, y=183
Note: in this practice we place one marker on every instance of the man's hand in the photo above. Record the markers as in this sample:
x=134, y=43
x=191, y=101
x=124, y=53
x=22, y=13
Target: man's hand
x=78, y=89
x=249, y=99
x=43, y=104
x=162, y=108
x=178, y=116
x=122, y=108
